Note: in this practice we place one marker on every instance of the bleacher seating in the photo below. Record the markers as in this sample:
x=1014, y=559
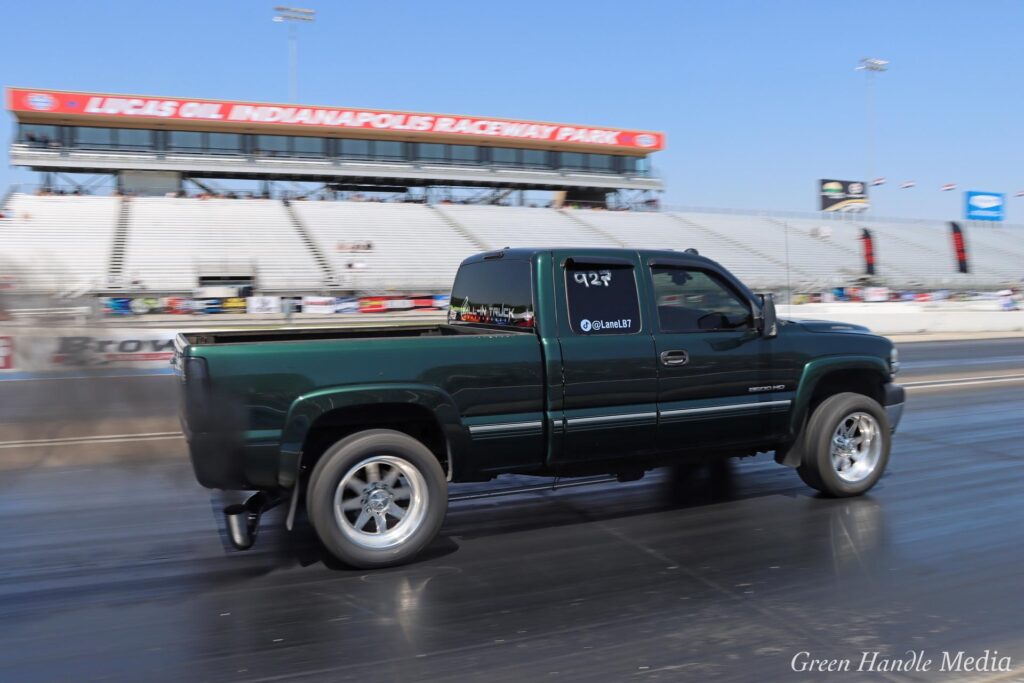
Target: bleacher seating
x=994, y=249
x=666, y=231
x=57, y=244
x=66, y=244
x=171, y=238
x=517, y=226
x=413, y=247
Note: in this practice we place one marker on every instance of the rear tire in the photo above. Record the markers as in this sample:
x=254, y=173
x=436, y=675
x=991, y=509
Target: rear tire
x=845, y=445
x=377, y=498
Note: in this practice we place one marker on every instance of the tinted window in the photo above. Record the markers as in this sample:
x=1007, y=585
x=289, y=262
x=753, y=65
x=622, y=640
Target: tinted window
x=355, y=149
x=272, y=144
x=629, y=165
x=535, y=157
x=36, y=134
x=465, y=153
x=430, y=151
x=94, y=137
x=386, y=149
x=691, y=300
x=572, y=160
x=602, y=300
x=600, y=162
x=130, y=138
x=184, y=141
x=308, y=147
x=497, y=292
x=225, y=142
x=504, y=155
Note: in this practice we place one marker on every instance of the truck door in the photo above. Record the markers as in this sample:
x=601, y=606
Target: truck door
x=715, y=380
x=609, y=374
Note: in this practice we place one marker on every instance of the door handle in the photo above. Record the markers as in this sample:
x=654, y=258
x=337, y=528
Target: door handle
x=675, y=357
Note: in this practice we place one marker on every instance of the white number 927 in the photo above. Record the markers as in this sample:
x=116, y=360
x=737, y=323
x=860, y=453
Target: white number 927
x=593, y=278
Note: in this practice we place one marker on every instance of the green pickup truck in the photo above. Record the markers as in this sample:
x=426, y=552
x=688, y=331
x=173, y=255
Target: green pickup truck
x=559, y=362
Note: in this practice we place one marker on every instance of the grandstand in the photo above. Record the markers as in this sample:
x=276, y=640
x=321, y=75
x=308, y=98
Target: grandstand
x=105, y=245
x=153, y=239
x=54, y=245
x=170, y=243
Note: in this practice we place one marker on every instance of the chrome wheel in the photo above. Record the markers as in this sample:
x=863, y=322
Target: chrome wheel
x=380, y=502
x=856, y=447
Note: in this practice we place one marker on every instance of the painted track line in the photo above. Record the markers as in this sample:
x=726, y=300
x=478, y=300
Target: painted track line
x=961, y=382
x=35, y=377
x=85, y=440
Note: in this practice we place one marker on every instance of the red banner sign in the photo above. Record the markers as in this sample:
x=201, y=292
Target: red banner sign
x=225, y=112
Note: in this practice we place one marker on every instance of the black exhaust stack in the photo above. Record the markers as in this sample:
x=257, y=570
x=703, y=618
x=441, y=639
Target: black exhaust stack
x=243, y=519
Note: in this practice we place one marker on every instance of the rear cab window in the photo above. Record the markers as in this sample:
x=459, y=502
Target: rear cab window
x=495, y=293
x=602, y=298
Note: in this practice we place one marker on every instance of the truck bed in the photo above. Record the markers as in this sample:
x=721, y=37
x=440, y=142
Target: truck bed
x=340, y=333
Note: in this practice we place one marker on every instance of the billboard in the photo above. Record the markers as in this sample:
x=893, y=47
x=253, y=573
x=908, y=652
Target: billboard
x=842, y=195
x=214, y=113
x=984, y=206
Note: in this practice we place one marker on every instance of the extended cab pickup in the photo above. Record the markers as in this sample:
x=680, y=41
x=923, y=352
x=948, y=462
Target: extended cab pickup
x=552, y=362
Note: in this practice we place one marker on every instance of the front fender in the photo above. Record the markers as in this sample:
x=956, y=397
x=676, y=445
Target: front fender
x=305, y=410
x=815, y=370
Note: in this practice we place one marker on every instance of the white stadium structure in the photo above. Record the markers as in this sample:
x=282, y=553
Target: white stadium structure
x=150, y=239
x=108, y=245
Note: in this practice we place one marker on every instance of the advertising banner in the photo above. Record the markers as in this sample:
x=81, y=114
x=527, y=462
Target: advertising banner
x=373, y=304
x=842, y=195
x=346, y=305
x=318, y=304
x=876, y=294
x=984, y=206
x=234, y=304
x=263, y=304
x=959, y=248
x=868, y=242
x=73, y=351
x=212, y=112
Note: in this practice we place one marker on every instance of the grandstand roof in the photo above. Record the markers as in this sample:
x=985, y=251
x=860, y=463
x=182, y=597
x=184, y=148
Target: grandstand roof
x=173, y=113
x=83, y=132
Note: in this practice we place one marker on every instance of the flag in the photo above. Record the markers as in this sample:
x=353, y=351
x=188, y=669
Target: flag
x=948, y=187
x=907, y=184
x=878, y=181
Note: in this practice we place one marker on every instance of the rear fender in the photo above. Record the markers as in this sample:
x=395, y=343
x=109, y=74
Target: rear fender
x=305, y=410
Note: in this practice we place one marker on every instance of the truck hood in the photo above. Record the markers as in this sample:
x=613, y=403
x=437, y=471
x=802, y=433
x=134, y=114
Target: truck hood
x=831, y=326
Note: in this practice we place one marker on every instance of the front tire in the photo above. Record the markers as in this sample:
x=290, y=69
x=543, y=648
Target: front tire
x=377, y=498
x=845, y=445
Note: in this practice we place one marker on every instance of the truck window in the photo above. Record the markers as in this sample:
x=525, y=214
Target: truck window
x=602, y=300
x=693, y=300
x=497, y=292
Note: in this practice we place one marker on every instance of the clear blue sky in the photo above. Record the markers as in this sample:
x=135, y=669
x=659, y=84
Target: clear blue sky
x=758, y=99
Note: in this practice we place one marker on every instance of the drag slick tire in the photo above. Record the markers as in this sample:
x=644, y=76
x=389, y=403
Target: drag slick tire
x=845, y=445
x=377, y=498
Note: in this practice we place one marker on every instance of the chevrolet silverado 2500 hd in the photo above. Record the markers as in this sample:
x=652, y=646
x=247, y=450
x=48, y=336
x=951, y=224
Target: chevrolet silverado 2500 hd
x=552, y=362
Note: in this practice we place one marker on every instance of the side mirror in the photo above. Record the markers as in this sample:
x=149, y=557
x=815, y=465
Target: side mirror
x=768, y=324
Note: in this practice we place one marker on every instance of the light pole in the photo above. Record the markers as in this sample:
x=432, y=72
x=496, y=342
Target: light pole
x=871, y=66
x=290, y=16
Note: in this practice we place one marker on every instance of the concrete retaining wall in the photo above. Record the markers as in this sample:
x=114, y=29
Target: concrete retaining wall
x=913, y=318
